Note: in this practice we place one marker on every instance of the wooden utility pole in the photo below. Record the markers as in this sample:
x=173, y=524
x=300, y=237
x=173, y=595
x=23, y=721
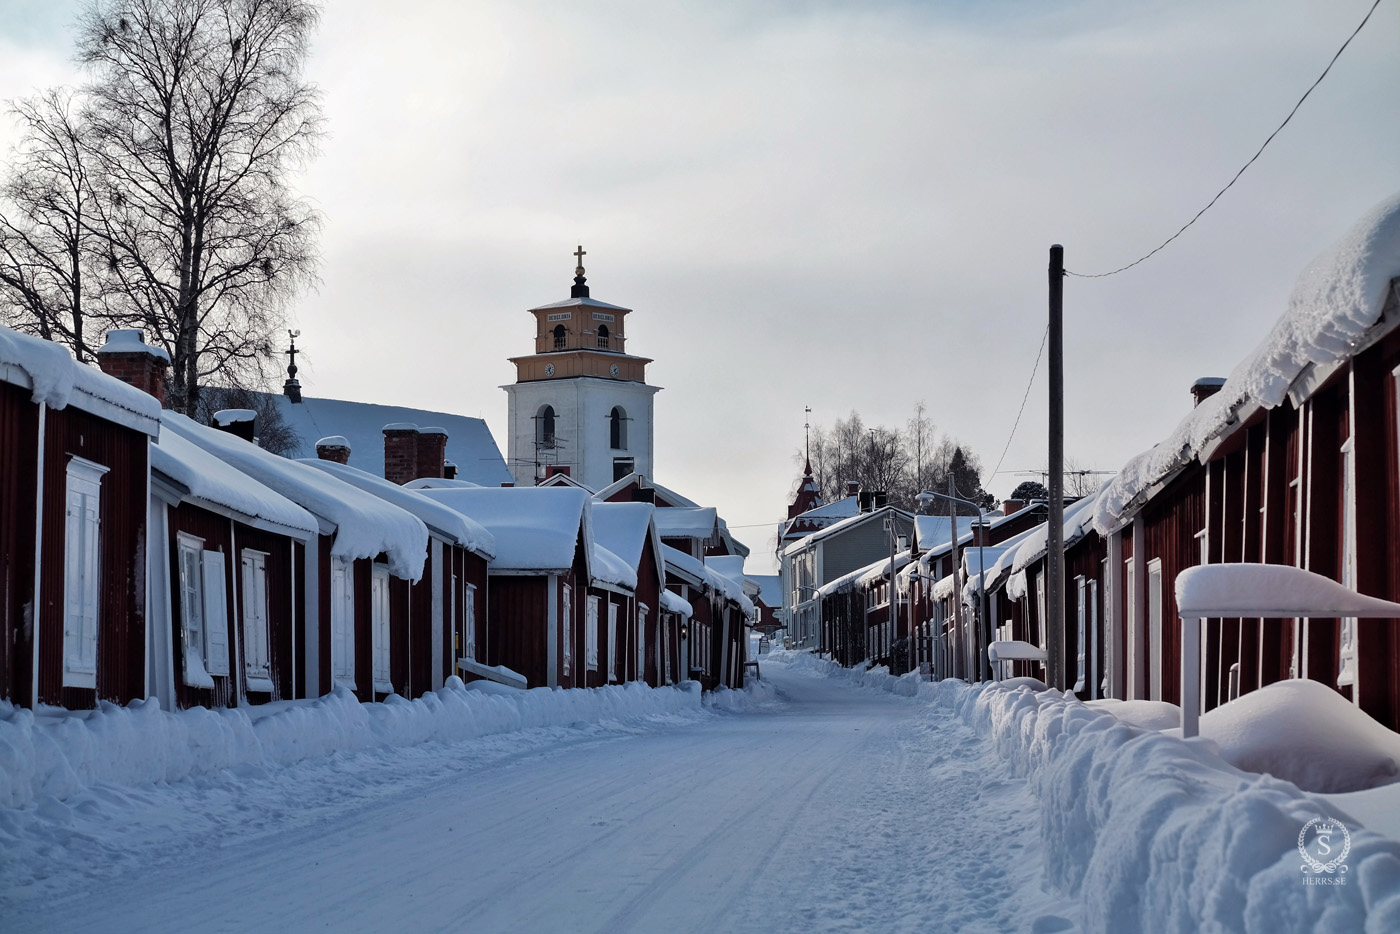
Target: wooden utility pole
x=1055, y=553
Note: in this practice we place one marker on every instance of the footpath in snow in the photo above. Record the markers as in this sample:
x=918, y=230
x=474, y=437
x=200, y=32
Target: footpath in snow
x=823, y=800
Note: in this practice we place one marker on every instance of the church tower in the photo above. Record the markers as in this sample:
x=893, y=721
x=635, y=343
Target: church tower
x=580, y=404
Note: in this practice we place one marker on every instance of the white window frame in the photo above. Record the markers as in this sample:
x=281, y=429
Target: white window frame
x=82, y=571
x=380, y=613
x=1083, y=617
x=203, y=612
x=612, y=641
x=642, y=610
x=1346, y=637
x=343, y=623
x=567, y=628
x=590, y=633
x=1154, y=628
x=257, y=647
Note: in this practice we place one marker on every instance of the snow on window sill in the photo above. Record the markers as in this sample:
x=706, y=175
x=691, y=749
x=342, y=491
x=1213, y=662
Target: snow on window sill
x=347, y=683
x=196, y=676
x=257, y=683
x=383, y=687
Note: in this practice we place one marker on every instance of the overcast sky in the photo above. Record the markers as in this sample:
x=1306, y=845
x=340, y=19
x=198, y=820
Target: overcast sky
x=841, y=205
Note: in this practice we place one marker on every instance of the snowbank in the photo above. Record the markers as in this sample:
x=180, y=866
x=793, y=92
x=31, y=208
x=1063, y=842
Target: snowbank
x=1150, y=833
x=141, y=744
x=1306, y=733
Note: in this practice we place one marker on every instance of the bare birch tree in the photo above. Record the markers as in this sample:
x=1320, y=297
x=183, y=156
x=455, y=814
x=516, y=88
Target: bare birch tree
x=50, y=276
x=197, y=113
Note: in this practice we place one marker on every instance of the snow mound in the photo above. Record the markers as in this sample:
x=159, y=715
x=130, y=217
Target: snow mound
x=1306, y=733
x=140, y=744
x=1143, y=714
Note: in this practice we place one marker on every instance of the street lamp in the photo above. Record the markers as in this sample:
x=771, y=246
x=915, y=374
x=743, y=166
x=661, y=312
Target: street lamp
x=983, y=665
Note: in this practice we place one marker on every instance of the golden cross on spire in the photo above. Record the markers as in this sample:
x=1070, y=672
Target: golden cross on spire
x=580, y=253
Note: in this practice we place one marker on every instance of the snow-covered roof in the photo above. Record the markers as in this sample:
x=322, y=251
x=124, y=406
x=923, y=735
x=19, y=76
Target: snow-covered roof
x=49, y=371
x=128, y=340
x=365, y=525
x=536, y=528
x=687, y=522
x=675, y=603
x=1000, y=568
x=211, y=482
x=837, y=528
x=1079, y=519
x=608, y=569
x=441, y=483
x=864, y=576
x=469, y=442
x=696, y=571
x=666, y=493
x=932, y=531
x=1335, y=301
x=625, y=529
x=442, y=520
x=770, y=588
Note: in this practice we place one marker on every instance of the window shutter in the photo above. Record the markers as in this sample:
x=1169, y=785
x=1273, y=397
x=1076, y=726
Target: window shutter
x=379, y=627
x=612, y=641
x=567, y=627
x=469, y=621
x=342, y=624
x=641, y=642
x=216, y=654
x=256, y=662
x=590, y=634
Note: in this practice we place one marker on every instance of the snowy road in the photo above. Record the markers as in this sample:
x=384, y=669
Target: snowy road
x=833, y=808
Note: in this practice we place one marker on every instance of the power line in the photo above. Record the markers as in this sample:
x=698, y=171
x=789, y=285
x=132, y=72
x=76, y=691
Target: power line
x=1252, y=158
x=1029, y=383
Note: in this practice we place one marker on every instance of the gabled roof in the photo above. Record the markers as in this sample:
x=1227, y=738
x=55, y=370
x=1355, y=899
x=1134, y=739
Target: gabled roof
x=671, y=497
x=627, y=529
x=469, y=442
x=843, y=526
x=49, y=371
x=537, y=529
x=563, y=479
x=687, y=522
x=443, y=521
x=770, y=589
x=932, y=531
x=697, y=574
x=209, y=482
x=365, y=526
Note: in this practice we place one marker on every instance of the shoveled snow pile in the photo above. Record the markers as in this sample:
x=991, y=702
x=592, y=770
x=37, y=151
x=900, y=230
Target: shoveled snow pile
x=1151, y=833
x=1306, y=733
x=59, y=756
x=1143, y=714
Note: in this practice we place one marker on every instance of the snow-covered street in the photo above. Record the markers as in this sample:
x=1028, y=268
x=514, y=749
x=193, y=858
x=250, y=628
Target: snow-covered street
x=821, y=806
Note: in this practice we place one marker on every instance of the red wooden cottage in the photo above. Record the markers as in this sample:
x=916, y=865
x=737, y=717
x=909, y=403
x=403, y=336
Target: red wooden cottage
x=539, y=579
x=444, y=627
x=364, y=545
x=73, y=475
x=1292, y=461
x=627, y=530
x=227, y=564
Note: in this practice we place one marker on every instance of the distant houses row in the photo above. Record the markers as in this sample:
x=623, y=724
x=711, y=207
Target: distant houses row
x=1293, y=460
x=145, y=555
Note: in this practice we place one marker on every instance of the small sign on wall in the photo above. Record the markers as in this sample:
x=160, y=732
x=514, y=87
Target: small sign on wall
x=561, y=316
x=600, y=316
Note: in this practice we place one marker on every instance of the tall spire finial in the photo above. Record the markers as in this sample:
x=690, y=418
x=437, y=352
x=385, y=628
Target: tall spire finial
x=580, y=289
x=807, y=431
x=292, y=387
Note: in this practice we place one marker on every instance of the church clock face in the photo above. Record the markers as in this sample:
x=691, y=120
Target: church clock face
x=549, y=369
x=613, y=370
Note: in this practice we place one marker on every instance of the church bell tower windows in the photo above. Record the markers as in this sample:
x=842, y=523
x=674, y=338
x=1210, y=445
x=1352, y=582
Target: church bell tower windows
x=602, y=337
x=544, y=427
x=617, y=428
x=560, y=337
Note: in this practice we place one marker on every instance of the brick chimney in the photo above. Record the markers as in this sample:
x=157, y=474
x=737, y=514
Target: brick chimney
x=240, y=422
x=449, y=470
x=400, y=452
x=131, y=360
x=335, y=448
x=852, y=487
x=432, y=452
x=1205, y=387
x=1009, y=506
